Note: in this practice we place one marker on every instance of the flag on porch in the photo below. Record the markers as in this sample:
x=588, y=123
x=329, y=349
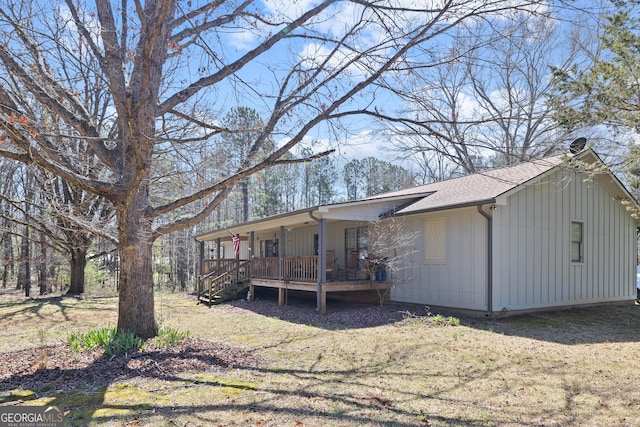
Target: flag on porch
x=236, y=244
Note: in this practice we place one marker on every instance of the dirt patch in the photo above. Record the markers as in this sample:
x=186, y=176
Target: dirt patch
x=60, y=368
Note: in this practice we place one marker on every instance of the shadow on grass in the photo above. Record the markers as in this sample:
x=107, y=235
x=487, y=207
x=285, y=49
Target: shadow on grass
x=33, y=308
x=227, y=385
x=90, y=394
x=301, y=306
x=580, y=325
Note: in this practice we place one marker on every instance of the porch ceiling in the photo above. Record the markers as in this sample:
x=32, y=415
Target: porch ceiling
x=359, y=210
x=299, y=219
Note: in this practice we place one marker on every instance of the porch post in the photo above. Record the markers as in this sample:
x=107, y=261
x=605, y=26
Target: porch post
x=218, y=252
x=251, y=250
x=251, y=296
x=281, y=253
x=322, y=272
x=197, y=287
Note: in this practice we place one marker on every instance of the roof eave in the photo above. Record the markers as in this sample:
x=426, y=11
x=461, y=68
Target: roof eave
x=491, y=201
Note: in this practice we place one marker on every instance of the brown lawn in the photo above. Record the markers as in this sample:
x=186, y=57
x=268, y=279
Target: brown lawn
x=257, y=364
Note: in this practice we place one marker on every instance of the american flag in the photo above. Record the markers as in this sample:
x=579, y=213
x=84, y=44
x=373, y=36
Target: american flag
x=236, y=244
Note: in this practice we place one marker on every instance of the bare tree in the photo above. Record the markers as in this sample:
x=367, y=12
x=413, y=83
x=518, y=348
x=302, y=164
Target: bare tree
x=166, y=70
x=24, y=260
x=390, y=248
x=72, y=218
x=488, y=104
x=55, y=214
x=371, y=176
x=8, y=189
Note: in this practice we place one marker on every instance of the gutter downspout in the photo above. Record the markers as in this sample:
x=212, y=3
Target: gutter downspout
x=489, y=260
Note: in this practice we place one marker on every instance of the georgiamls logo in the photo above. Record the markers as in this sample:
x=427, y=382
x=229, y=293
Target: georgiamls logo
x=31, y=416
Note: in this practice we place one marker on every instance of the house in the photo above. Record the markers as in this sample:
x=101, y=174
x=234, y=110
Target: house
x=536, y=235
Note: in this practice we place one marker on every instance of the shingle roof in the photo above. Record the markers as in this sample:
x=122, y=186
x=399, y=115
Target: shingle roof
x=474, y=188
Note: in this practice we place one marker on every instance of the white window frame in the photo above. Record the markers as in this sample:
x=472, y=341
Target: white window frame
x=580, y=242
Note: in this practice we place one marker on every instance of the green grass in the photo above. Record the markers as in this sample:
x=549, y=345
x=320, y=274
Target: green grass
x=441, y=320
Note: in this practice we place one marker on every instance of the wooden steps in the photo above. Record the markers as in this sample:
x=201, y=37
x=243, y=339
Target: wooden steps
x=224, y=283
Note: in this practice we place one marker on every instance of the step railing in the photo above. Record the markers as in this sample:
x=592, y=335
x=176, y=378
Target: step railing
x=216, y=264
x=217, y=282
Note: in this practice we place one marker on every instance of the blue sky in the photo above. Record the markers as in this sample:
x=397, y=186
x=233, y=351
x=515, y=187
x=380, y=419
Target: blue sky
x=361, y=140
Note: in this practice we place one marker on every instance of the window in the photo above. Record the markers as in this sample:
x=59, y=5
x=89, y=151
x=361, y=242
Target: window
x=577, y=242
x=434, y=246
x=269, y=248
x=356, y=239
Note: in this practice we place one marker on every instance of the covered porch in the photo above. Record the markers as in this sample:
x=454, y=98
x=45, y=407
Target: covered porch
x=293, y=273
x=322, y=249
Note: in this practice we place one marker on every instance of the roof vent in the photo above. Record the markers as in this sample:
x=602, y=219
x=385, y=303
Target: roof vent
x=578, y=145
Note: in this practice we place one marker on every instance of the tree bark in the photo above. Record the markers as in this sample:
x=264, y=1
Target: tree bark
x=24, y=275
x=78, y=264
x=42, y=266
x=245, y=200
x=136, y=302
x=135, y=292
x=7, y=260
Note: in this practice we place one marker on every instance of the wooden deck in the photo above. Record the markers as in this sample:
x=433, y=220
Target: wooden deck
x=298, y=273
x=325, y=288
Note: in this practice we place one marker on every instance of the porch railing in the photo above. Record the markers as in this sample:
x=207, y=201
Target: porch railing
x=295, y=268
x=210, y=265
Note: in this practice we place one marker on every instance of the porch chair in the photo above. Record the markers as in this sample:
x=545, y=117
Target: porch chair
x=330, y=266
x=353, y=265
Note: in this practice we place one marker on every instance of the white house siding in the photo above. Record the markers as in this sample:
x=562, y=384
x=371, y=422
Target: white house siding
x=532, y=263
x=457, y=281
x=299, y=241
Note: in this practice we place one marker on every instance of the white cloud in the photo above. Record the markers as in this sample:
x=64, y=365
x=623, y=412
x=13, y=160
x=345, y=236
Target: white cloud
x=288, y=10
x=362, y=145
x=91, y=24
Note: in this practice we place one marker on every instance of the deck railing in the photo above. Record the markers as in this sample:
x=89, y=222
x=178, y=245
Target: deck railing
x=210, y=265
x=294, y=268
x=265, y=268
x=300, y=268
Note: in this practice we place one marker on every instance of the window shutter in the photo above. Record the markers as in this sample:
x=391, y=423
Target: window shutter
x=435, y=240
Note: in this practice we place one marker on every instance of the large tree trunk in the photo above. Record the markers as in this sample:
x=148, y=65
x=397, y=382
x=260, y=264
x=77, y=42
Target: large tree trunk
x=136, y=304
x=78, y=264
x=24, y=272
x=135, y=292
x=42, y=266
x=7, y=259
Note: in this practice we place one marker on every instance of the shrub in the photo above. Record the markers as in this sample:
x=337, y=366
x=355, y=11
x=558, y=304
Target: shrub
x=113, y=342
x=168, y=337
x=88, y=341
x=441, y=320
x=123, y=342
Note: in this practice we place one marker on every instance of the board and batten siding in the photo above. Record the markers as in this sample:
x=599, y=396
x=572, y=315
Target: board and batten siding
x=450, y=270
x=299, y=241
x=532, y=245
